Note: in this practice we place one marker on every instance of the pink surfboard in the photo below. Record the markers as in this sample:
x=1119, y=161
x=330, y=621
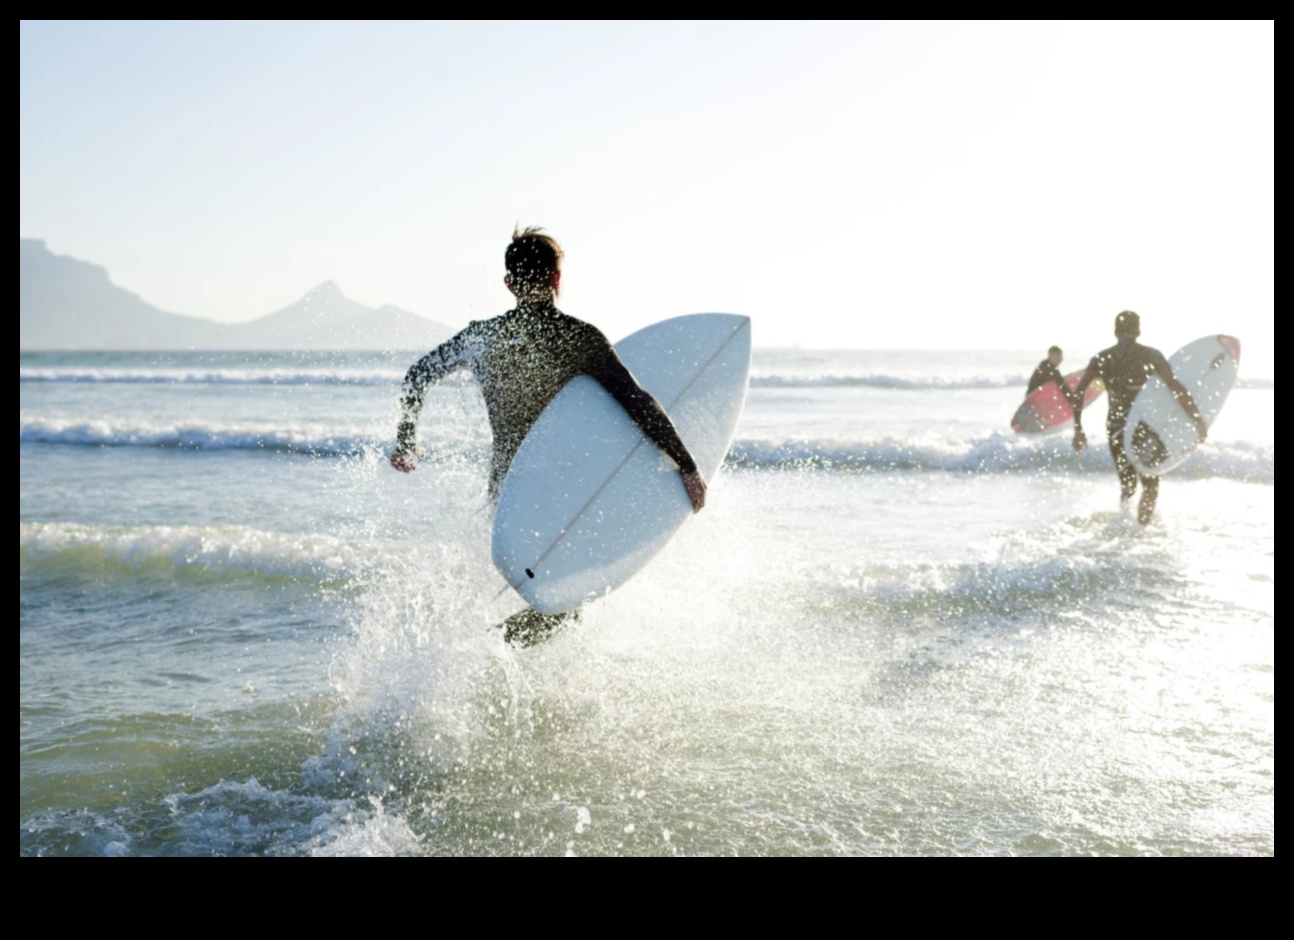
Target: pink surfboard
x=1047, y=408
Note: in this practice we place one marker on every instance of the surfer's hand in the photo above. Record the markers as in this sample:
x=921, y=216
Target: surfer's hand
x=1202, y=429
x=695, y=485
x=1080, y=441
x=403, y=461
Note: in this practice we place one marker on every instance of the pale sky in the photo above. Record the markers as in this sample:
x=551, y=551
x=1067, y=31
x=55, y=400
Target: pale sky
x=851, y=184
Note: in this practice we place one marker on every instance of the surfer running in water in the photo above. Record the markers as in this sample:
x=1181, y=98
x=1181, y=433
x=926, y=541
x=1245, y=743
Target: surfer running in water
x=522, y=359
x=1124, y=368
x=1048, y=371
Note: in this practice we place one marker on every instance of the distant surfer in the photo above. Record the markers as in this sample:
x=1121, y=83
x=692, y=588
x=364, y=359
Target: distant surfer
x=1124, y=368
x=1048, y=371
x=522, y=359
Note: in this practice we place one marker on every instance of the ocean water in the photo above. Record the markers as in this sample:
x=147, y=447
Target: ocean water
x=896, y=629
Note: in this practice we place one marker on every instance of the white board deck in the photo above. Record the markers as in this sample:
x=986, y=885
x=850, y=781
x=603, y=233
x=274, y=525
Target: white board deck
x=1159, y=435
x=588, y=500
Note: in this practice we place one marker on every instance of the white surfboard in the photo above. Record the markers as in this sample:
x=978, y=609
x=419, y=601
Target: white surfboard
x=1159, y=435
x=588, y=500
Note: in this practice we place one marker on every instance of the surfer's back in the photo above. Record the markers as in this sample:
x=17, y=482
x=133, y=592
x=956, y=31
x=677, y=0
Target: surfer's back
x=522, y=359
x=1124, y=368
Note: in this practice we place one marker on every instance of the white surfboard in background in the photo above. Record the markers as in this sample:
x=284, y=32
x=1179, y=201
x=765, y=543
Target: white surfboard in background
x=1159, y=435
x=588, y=500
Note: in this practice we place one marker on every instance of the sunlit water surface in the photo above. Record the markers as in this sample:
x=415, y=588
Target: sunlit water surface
x=896, y=629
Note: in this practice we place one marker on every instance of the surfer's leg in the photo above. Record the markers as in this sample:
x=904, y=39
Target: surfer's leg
x=1149, y=494
x=1127, y=472
x=529, y=626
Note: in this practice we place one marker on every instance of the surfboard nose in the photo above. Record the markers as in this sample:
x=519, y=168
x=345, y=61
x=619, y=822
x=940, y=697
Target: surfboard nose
x=1232, y=346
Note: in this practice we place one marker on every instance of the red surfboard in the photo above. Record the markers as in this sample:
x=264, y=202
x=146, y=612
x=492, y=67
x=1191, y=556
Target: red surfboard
x=1047, y=408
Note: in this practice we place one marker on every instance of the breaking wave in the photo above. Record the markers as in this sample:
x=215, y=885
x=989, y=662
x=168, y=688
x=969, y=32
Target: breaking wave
x=376, y=376
x=215, y=551
x=997, y=453
x=884, y=381
x=306, y=439
x=1242, y=461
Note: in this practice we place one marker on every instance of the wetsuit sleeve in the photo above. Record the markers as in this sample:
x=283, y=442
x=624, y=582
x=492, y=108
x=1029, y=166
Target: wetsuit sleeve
x=444, y=359
x=1080, y=390
x=1180, y=392
x=615, y=377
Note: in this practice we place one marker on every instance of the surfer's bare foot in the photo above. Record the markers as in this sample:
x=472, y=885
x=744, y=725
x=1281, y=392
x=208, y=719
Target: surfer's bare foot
x=530, y=626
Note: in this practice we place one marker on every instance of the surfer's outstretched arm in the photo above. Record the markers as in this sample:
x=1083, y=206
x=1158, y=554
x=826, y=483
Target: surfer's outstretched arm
x=647, y=413
x=1183, y=396
x=1080, y=391
x=434, y=366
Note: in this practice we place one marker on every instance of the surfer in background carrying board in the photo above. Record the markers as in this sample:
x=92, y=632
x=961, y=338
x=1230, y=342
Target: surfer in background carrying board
x=1048, y=371
x=522, y=359
x=1124, y=368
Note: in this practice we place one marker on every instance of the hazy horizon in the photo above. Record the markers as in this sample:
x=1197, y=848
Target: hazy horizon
x=848, y=185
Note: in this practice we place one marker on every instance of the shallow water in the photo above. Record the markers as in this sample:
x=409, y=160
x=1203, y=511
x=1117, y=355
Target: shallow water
x=896, y=629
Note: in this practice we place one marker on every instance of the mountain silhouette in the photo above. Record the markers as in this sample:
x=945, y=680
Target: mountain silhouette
x=68, y=304
x=64, y=303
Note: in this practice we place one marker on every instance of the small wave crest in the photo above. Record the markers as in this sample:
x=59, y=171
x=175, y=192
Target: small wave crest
x=306, y=439
x=218, y=376
x=1247, y=462
x=377, y=376
x=218, y=551
x=998, y=453
x=970, y=592
x=229, y=818
x=1029, y=577
x=885, y=381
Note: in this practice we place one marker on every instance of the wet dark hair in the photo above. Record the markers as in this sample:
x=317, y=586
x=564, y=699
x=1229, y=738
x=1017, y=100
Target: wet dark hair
x=1127, y=324
x=1055, y=350
x=532, y=258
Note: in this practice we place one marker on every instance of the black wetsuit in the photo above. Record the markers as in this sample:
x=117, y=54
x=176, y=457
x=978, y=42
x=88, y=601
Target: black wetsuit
x=522, y=359
x=1124, y=368
x=1045, y=373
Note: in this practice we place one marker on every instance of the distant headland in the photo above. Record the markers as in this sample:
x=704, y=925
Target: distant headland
x=65, y=303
